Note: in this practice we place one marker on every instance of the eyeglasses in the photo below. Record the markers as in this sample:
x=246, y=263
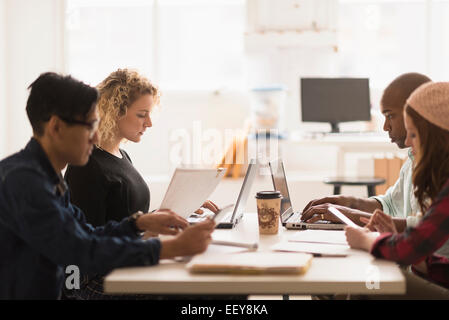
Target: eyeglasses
x=91, y=126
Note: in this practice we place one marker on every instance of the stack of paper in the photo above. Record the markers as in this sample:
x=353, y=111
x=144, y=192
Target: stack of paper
x=251, y=263
x=318, y=249
x=320, y=236
x=317, y=242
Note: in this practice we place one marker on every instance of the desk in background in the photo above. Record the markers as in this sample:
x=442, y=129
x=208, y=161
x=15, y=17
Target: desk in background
x=348, y=275
x=345, y=143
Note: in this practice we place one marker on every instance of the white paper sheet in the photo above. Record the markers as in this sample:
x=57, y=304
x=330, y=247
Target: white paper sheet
x=189, y=189
x=334, y=250
x=319, y=236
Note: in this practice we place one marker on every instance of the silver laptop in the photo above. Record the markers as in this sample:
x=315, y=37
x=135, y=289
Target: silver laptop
x=289, y=218
x=229, y=216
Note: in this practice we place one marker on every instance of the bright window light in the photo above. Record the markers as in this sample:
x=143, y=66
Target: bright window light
x=181, y=45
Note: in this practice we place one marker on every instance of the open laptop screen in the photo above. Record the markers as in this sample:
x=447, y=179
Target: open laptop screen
x=245, y=190
x=280, y=184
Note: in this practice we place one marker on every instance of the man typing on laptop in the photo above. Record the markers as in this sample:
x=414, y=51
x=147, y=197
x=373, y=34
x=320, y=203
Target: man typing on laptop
x=290, y=218
x=399, y=201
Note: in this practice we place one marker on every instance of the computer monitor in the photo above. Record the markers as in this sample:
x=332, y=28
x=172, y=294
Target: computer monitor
x=335, y=100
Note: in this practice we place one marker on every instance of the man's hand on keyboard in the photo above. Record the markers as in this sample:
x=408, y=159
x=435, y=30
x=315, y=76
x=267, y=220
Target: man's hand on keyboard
x=321, y=212
x=335, y=199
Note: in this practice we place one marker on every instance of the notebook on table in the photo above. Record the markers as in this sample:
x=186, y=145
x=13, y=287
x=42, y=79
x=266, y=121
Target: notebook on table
x=251, y=263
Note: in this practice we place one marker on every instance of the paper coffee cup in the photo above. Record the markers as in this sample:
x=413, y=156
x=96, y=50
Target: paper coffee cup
x=268, y=211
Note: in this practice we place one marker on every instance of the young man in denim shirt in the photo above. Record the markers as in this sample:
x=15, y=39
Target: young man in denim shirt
x=41, y=232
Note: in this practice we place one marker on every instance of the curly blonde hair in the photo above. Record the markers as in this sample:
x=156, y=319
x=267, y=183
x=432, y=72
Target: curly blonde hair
x=117, y=93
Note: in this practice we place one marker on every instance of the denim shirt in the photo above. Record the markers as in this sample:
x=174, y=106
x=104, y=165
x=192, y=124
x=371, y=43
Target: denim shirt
x=41, y=232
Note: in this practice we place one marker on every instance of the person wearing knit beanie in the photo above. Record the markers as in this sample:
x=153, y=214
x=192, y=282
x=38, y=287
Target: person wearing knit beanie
x=431, y=101
x=427, y=123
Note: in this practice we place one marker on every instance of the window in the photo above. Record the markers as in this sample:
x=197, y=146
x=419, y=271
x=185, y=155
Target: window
x=178, y=44
x=383, y=39
x=202, y=44
x=199, y=44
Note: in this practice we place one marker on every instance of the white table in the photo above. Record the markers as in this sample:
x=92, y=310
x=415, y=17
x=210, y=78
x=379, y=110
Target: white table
x=327, y=275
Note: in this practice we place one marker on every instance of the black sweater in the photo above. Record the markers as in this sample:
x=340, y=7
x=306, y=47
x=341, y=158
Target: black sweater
x=107, y=188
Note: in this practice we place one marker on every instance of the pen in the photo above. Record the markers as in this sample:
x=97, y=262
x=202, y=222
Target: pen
x=252, y=246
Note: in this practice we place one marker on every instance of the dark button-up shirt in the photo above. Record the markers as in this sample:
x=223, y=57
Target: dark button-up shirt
x=41, y=232
x=420, y=243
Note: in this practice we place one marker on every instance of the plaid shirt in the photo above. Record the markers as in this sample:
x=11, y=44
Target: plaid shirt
x=419, y=243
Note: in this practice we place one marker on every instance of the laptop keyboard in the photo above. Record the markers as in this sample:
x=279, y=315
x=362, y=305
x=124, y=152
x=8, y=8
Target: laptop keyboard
x=296, y=217
x=227, y=211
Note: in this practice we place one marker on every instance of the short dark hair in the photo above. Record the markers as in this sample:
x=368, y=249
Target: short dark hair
x=55, y=94
x=400, y=89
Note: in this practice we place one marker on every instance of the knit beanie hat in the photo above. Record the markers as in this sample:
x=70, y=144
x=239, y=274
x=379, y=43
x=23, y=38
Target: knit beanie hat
x=431, y=101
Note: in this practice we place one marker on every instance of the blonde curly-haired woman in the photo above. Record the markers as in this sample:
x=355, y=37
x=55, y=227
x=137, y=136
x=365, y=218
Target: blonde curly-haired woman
x=109, y=187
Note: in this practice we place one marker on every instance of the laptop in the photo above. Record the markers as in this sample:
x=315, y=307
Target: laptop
x=292, y=219
x=229, y=216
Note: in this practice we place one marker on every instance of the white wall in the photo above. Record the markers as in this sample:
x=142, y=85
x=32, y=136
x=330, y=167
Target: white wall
x=2, y=80
x=184, y=113
x=33, y=31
